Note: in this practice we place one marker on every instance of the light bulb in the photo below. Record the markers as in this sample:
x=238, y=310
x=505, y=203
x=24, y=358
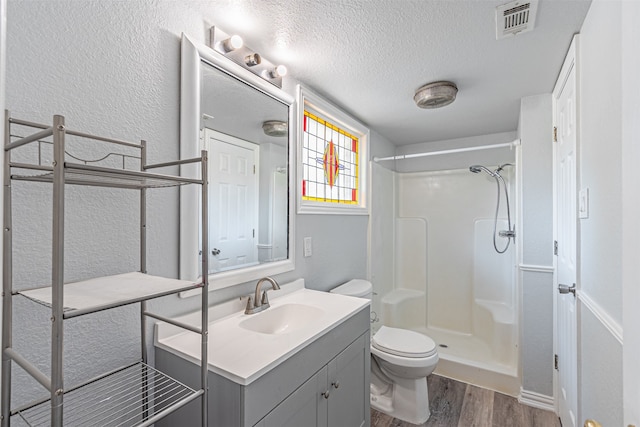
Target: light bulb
x=279, y=71
x=232, y=43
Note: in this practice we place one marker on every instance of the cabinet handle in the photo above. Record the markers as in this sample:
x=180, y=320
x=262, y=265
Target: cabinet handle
x=325, y=394
x=335, y=384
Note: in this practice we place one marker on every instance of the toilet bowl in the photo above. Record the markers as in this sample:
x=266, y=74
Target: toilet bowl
x=401, y=360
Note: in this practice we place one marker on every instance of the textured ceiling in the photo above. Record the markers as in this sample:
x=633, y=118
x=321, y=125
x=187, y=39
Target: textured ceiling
x=369, y=57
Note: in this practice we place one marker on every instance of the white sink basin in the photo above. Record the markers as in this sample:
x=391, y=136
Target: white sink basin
x=282, y=319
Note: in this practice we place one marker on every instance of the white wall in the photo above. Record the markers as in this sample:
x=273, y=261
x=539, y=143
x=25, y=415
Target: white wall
x=536, y=265
x=381, y=238
x=631, y=210
x=112, y=68
x=381, y=225
x=600, y=166
x=449, y=218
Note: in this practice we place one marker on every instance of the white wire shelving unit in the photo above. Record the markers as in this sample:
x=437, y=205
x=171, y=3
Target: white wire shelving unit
x=135, y=394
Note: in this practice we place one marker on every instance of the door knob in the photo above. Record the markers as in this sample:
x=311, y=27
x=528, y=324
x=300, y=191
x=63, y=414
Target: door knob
x=592, y=423
x=565, y=289
x=215, y=251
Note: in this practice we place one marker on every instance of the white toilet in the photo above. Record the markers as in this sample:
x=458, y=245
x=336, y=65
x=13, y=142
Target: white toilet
x=401, y=360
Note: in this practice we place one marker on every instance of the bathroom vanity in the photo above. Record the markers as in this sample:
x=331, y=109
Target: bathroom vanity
x=304, y=361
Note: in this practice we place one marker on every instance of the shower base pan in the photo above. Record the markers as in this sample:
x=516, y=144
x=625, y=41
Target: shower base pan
x=469, y=359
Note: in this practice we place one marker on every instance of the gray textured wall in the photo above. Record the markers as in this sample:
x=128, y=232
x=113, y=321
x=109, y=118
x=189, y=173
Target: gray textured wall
x=600, y=163
x=600, y=170
x=112, y=68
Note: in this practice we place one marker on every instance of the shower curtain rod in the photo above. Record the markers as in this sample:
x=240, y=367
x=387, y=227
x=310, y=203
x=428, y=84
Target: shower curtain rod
x=511, y=144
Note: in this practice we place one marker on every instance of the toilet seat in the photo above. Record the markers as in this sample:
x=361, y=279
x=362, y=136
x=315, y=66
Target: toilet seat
x=404, y=343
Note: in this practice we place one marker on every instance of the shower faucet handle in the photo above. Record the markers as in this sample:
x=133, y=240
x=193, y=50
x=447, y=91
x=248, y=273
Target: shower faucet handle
x=507, y=233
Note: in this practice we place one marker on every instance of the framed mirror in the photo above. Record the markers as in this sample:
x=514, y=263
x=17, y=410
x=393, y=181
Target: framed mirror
x=247, y=126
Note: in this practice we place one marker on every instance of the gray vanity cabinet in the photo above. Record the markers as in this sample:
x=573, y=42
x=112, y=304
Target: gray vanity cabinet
x=348, y=382
x=334, y=396
x=304, y=407
x=294, y=393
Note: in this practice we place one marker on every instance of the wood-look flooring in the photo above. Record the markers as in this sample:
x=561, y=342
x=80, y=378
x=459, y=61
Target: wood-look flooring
x=456, y=404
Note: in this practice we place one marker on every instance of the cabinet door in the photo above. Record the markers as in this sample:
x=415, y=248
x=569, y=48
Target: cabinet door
x=305, y=407
x=349, y=391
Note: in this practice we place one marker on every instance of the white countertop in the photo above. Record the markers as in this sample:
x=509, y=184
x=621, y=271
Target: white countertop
x=243, y=355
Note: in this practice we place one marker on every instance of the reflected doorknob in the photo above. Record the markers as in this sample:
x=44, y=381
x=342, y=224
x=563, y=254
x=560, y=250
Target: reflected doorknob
x=565, y=289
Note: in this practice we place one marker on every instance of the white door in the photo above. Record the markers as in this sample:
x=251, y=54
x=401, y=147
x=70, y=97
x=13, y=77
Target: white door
x=564, y=97
x=233, y=197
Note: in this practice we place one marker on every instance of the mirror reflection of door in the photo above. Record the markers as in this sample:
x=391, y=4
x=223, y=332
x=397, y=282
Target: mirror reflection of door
x=233, y=189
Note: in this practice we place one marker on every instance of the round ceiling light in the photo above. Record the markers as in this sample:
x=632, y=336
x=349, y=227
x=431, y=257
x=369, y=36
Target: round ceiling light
x=275, y=128
x=435, y=95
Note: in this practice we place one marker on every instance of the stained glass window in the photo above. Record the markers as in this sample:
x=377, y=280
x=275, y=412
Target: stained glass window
x=330, y=162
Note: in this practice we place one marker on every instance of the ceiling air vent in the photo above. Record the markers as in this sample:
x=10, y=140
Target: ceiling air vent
x=515, y=18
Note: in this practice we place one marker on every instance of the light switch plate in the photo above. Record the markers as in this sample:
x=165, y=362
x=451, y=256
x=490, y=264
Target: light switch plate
x=307, y=247
x=583, y=204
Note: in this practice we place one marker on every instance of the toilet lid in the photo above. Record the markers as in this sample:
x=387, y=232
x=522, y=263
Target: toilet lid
x=354, y=288
x=403, y=342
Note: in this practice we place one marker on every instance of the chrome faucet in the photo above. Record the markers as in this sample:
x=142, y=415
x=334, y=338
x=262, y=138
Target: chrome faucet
x=260, y=303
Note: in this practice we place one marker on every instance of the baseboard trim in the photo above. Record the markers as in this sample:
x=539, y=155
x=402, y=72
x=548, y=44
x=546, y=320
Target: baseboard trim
x=537, y=400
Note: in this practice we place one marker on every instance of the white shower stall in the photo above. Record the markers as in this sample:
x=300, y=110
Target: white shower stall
x=435, y=269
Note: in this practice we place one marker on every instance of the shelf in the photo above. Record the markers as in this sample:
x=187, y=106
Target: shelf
x=102, y=293
x=136, y=395
x=80, y=174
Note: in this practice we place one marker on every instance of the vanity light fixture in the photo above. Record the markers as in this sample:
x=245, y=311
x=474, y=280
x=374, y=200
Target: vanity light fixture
x=232, y=43
x=233, y=47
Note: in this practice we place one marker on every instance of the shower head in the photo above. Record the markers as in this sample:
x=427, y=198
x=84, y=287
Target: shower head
x=480, y=168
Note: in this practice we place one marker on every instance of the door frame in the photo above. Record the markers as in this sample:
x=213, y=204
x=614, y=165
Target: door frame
x=571, y=61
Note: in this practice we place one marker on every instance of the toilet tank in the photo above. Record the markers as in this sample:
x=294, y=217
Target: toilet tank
x=355, y=288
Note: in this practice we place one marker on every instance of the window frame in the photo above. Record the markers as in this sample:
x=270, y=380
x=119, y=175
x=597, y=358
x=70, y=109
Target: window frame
x=316, y=105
